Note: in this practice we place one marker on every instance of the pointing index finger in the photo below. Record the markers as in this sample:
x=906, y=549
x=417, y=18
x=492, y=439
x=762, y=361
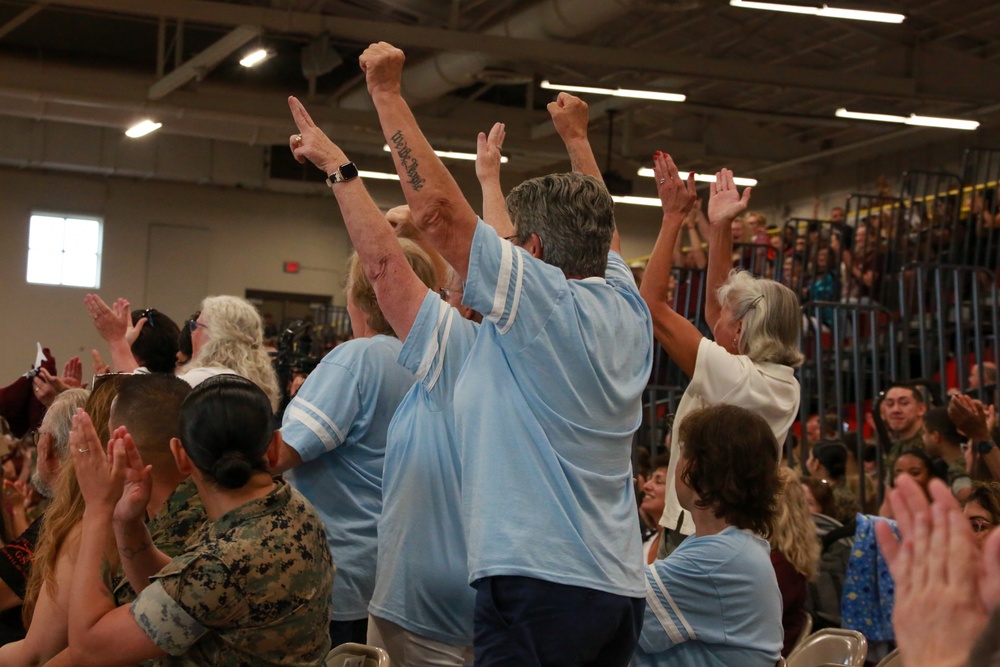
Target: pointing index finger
x=302, y=119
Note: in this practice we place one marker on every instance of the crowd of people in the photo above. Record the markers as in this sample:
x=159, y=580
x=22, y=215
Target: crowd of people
x=455, y=484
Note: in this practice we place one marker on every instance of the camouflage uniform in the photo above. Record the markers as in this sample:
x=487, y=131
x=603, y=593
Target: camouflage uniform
x=253, y=589
x=179, y=518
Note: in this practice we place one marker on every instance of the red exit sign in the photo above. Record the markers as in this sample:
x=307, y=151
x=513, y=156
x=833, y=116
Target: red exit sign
x=291, y=267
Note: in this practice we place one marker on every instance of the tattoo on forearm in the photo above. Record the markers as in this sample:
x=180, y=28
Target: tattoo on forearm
x=408, y=162
x=107, y=578
x=135, y=543
x=131, y=552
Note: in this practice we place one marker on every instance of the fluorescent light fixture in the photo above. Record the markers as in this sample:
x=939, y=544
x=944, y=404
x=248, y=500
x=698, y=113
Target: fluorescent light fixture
x=380, y=175
x=701, y=178
x=454, y=155
x=912, y=119
x=254, y=58
x=824, y=11
x=638, y=201
x=143, y=128
x=617, y=92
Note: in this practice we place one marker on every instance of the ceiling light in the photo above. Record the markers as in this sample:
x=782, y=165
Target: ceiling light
x=254, y=58
x=454, y=155
x=824, y=11
x=701, y=178
x=617, y=92
x=143, y=128
x=638, y=201
x=380, y=175
x=912, y=119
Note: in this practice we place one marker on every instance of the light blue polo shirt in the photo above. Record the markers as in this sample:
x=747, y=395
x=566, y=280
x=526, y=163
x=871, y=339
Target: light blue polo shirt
x=546, y=407
x=422, y=581
x=713, y=602
x=337, y=423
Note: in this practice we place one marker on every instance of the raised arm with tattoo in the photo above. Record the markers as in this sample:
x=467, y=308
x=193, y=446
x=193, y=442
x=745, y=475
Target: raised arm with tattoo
x=439, y=208
x=488, y=172
x=398, y=289
x=570, y=116
x=678, y=336
x=724, y=204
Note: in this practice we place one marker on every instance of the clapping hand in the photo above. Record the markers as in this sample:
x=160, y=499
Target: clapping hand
x=724, y=201
x=138, y=479
x=677, y=196
x=100, y=475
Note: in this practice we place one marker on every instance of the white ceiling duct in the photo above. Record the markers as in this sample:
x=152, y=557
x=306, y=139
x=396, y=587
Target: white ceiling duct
x=552, y=19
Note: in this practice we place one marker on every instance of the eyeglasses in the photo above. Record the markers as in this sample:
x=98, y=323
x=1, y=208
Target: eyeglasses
x=194, y=324
x=446, y=293
x=35, y=437
x=512, y=238
x=148, y=314
x=980, y=525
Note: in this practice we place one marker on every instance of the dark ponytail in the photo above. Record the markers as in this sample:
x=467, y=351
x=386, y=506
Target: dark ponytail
x=226, y=427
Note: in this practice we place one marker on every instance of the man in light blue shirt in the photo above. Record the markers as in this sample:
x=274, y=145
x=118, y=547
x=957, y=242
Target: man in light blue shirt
x=714, y=601
x=545, y=406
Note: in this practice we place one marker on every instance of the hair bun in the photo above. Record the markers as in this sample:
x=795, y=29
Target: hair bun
x=232, y=470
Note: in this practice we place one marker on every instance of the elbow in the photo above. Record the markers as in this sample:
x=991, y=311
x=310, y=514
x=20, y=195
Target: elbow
x=434, y=215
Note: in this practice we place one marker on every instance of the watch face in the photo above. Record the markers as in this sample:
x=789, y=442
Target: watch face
x=348, y=171
x=984, y=447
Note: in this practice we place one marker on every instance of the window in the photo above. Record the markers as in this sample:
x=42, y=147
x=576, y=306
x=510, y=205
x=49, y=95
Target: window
x=64, y=251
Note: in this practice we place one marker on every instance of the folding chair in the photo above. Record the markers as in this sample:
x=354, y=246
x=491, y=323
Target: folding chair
x=832, y=646
x=357, y=655
x=891, y=660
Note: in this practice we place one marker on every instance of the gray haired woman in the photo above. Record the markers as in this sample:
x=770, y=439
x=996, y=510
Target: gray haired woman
x=756, y=324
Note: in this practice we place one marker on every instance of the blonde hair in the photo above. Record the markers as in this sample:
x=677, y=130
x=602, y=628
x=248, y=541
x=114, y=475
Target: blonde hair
x=771, y=316
x=361, y=293
x=793, y=533
x=236, y=342
x=66, y=510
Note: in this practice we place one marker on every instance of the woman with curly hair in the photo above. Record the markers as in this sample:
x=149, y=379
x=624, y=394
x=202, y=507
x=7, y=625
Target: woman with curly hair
x=982, y=509
x=795, y=552
x=228, y=337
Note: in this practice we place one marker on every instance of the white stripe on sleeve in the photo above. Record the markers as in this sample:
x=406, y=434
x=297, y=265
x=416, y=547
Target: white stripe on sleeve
x=673, y=605
x=662, y=616
x=503, y=281
x=517, y=294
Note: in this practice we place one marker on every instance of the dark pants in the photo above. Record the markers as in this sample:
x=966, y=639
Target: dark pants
x=526, y=622
x=342, y=632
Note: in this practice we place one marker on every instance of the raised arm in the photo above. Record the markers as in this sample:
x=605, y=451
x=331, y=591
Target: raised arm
x=724, y=204
x=700, y=259
x=439, y=208
x=676, y=334
x=398, y=289
x=488, y=172
x=571, y=117
x=115, y=327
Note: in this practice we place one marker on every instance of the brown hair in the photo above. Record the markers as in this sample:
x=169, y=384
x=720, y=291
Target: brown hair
x=732, y=464
x=66, y=510
x=987, y=496
x=360, y=291
x=822, y=491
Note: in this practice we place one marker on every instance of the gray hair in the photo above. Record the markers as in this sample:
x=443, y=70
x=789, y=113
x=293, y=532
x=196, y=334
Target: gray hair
x=573, y=216
x=58, y=420
x=772, y=319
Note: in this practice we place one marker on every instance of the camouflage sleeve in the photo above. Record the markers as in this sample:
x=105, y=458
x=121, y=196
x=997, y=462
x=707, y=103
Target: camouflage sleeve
x=189, y=597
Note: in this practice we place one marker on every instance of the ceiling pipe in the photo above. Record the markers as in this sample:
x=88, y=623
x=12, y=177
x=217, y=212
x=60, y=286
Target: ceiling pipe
x=445, y=72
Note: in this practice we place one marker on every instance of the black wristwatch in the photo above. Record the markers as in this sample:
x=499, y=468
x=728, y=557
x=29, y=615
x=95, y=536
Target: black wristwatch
x=984, y=446
x=345, y=173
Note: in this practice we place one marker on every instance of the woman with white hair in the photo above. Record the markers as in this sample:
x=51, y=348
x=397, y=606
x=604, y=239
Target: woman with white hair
x=755, y=322
x=228, y=337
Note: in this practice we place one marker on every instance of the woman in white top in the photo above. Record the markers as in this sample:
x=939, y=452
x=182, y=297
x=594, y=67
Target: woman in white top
x=755, y=322
x=228, y=337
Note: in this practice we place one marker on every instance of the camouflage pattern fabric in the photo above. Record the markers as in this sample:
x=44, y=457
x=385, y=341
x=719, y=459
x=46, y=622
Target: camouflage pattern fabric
x=253, y=589
x=181, y=516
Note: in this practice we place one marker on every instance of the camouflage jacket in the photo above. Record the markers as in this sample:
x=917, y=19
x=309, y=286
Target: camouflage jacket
x=253, y=588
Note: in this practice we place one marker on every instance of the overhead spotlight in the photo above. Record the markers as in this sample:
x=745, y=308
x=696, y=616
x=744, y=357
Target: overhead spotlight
x=638, y=201
x=142, y=128
x=912, y=119
x=454, y=155
x=380, y=175
x=823, y=11
x=701, y=178
x=254, y=58
x=617, y=92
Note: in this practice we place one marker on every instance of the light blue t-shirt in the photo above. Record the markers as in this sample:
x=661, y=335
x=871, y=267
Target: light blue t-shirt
x=713, y=602
x=337, y=423
x=546, y=407
x=422, y=581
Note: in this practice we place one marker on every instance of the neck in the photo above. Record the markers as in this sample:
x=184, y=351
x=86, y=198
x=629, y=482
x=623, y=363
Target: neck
x=910, y=432
x=950, y=452
x=161, y=491
x=218, y=502
x=706, y=523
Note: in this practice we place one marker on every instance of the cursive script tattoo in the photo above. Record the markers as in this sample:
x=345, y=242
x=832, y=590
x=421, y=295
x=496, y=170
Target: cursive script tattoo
x=408, y=162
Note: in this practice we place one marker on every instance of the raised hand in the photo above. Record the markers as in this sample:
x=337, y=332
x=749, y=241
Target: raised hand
x=488, y=153
x=311, y=143
x=124, y=311
x=138, y=479
x=382, y=64
x=724, y=201
x=112, y=324
x=570, y=116
x=72, y=375
x=676, y=195
x=100, y=368
x=45, y=387
x=970, y=417
x=100, y=479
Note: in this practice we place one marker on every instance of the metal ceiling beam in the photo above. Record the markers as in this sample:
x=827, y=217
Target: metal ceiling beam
x=438, y=39
x=22, y=18
x=200, y=65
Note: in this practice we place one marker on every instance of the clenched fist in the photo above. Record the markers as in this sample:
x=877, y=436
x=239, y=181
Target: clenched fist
x=382, y=64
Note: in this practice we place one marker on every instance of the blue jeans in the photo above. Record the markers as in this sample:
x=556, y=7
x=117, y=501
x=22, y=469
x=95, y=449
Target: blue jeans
x=526, y=622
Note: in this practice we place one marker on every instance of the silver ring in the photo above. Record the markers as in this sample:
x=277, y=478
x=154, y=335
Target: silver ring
x=298, y=138
x=662, y=181
x=82, y=451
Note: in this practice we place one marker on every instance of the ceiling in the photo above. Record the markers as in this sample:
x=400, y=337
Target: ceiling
x=762, y=87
